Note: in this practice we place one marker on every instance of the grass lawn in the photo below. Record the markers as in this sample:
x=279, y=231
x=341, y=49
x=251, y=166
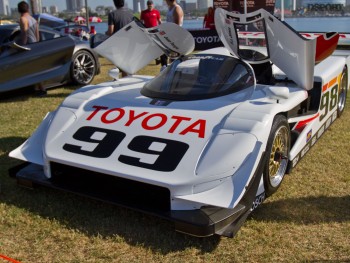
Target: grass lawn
x=308, y=219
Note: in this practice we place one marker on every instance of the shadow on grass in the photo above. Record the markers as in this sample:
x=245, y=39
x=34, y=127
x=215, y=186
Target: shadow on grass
x=94, y=218
x=24, y=94
x=17, y=95
x=7, y=145
x=306, y=210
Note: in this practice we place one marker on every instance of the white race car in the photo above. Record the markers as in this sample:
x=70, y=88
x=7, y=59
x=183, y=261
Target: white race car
x=205, y=141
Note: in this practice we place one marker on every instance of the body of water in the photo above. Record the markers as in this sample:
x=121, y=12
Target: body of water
x=306, y=24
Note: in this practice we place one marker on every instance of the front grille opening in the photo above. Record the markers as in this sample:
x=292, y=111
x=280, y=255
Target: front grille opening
x=109, y=188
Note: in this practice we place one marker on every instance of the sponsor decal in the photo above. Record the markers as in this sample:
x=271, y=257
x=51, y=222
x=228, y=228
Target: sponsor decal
x=144, y=151
x=158, y=154
x=258, y=201
x=309, y=135
x=329, y=98
x=328, y=104
x=252, y=5
x=312, y=141
x=207, y=39
x=149, y=121
x=325, y=7
x=171, y=43
x=222, y=4
x=305, y=150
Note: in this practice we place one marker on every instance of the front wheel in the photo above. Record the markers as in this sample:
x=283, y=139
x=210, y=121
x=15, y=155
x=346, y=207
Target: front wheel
x=83, y=68
x=277, y=151
x=343, y=89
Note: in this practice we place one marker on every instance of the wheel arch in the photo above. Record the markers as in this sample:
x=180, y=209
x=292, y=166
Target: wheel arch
x=78, y=50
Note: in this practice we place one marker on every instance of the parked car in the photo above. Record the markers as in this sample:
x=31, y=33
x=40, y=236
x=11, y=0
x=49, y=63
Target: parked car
x=54, y=60
x=209, y=138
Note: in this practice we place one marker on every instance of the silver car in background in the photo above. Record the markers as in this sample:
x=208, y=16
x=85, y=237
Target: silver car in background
x=54, y=60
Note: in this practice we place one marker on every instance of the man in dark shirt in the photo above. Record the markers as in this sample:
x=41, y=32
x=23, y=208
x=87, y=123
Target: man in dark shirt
x=118, y=18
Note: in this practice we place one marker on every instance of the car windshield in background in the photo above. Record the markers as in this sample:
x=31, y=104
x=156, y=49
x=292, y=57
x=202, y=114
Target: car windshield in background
x=198, y=76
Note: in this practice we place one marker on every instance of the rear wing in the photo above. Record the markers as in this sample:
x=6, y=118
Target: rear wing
x=343, y=42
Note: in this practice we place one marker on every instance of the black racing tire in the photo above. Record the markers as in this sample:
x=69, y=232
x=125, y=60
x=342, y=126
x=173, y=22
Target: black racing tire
x=342, y=93
x=83, y=68
x=277, y=151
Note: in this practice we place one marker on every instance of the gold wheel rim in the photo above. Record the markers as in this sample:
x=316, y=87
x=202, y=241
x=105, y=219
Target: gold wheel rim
x=279, y=150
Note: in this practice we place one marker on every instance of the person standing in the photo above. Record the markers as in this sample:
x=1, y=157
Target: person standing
x=117, y=19
x=28, y=24
x=29, y=34
x=175, y=13
x=150, y=17
x=208, y=21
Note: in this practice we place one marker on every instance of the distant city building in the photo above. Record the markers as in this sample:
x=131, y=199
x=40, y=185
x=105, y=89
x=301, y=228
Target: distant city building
x=53, y=9
x=138, y=4
x=188, y=7
x=14, y=12
x=5, y=8
x=100, y=10
x=75, y=5
x=204, y=4
x=191, y=7
x=182, y=3
x=35, y=6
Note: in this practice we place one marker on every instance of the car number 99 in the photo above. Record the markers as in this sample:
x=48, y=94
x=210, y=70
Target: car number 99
x=168, y=152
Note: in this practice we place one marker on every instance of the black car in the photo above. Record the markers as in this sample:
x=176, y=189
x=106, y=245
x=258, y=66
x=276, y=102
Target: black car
x=54, y=60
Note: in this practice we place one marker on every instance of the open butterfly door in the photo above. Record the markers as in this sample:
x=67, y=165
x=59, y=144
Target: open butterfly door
x=133, y=47
x=283, y=46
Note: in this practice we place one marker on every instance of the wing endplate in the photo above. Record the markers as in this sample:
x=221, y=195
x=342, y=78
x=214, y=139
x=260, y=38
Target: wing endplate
x=325, y=45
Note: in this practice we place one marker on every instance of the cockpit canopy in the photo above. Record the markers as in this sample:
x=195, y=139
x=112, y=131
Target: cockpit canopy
x=200, y=76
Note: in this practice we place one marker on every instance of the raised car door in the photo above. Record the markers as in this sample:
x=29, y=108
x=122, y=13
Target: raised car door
x=36, y=62
x=286, y=48
x=133, y=47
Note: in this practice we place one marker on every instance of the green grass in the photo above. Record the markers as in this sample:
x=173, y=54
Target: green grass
x=308, y=219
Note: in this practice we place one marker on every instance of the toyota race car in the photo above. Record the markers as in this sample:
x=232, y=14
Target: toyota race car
x=207, y=140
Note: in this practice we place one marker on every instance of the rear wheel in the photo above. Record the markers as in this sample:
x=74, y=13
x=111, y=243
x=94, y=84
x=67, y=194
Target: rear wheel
x=83, y=68
x=342, y=91
x=277, y=150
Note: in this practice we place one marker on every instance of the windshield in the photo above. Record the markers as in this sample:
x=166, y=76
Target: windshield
x=197, y=77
